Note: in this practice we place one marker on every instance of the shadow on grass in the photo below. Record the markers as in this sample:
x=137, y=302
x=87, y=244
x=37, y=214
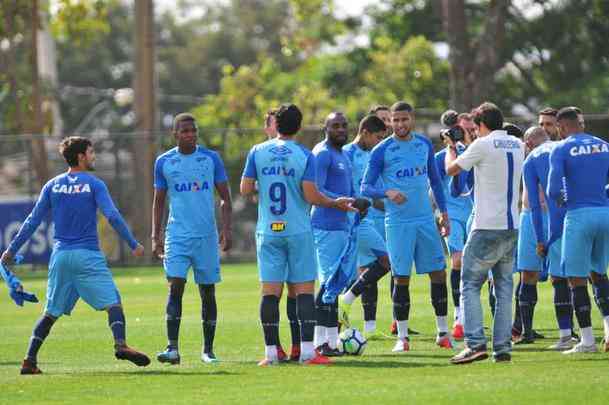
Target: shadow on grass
x=10, y=363
x=193, y=373
x=386, y=364
x=415, y=355
x=522, y=349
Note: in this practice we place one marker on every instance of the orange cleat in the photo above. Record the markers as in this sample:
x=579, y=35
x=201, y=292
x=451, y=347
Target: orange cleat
x=393, y=329
x=445, y=341
x=281, y=356
x=318, y=359
x=29, y=367
x=458, y=333
x=295, y=353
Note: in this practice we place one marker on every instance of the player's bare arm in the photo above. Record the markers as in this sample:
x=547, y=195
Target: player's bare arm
x=158, y=208
x=226, y=207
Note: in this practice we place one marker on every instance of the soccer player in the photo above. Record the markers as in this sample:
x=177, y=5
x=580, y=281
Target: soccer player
x=77, y=268
x=270, y=125
x=579, y=171
x=188, y=174
x=372, y=257
x=285, y=172
x=459, y=210
x=547, y=120
x=383, y=112
x=405, y=163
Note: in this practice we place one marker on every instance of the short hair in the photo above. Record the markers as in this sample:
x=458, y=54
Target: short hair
x=288, y=119
x=568, y=113
x=181, y=118
x=376, y=108
x=489, y=114
x=401, y=106
x=465, y=116
x=534, y=132
x=372, y=123
x=449, y=118
x=270, y=113
x=71, y=147
x=549, y=111
x=513, y=129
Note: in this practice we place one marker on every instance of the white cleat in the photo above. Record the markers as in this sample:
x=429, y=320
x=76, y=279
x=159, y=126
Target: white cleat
x=402, y=345
x=581, y=348
x=209, y=358
x=564, y=343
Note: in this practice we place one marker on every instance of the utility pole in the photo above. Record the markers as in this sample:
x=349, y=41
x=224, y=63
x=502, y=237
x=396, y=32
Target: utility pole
x=144, y=145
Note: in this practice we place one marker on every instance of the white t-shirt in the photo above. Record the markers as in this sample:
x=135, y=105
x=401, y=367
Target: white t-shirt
x=497, y=160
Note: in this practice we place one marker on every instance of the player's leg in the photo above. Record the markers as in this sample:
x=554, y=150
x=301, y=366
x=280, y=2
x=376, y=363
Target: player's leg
x=209, y=317
x=564, y=313
x=292, y=312
x=39, y=334
x=456, y=241
x=600, y=283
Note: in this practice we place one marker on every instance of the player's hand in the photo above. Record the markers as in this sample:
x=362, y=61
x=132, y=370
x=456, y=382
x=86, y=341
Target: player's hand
x=362, y=206
x=396, y=196
x=138, y=251
x=158, y=249
x=7, y=258
x=344, y=204
x=541, y=249
x=444, y=223
x=226, y=240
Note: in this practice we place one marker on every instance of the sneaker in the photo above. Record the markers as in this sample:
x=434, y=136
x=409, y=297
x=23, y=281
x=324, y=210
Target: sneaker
x=537, y=335
x=318, y=359
x=127, y=353
x=564, y=343
x=444, y=341
x=524, y=340
x=502, y=358
x=209, y=358
x=375, y=335
x=326, y=351
x=402, y=345
x=468, y=355
x=267, y=362
x=458, y=333
x=171, y=356
x=581, y=348
x=29, y=367
x=294, y=353
x=281, y=356
x=574, y=336
x=343, y=312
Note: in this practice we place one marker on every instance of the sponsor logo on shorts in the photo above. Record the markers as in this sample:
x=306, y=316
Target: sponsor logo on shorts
x=278, y=226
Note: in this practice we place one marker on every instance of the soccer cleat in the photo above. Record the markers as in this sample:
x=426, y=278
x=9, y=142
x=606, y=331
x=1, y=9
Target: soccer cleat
x=326, y=351
x=281, y=356
x=375, y=335
x=29, y=367
x=502, y=358
x=393, y=329
x=318, y=359
x=581, y=348
x=267, y=362
x=402, y=345
x=458, y=332
x=444, y=341
x=564, y=343
x=294, y=353
x=125, y=352
x=524, y=340
x=468, y=355
x=343, y=312
x=171, y=356
x=209, y=358
x=537, y=335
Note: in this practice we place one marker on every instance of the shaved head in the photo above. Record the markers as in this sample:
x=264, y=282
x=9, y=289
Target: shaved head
x=535, y=136
x=336, y=128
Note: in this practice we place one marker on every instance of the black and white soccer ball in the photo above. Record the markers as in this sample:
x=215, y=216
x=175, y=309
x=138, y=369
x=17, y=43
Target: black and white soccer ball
x=352, y=342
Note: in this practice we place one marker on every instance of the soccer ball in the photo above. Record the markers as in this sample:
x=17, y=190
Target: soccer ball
x=352, y=342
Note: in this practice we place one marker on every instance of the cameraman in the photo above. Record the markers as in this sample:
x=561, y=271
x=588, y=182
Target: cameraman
x=497, y=158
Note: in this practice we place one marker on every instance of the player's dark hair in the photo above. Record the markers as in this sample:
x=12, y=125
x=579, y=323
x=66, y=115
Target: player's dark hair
x=376, y=108
x=288, y=119
x=489, y=114
x=372, y=123
x=548, y=111
x=401, y=106
x=568, y=113
x=513, y=129
x=270, y=113
x=181, y=118
x=71, y=147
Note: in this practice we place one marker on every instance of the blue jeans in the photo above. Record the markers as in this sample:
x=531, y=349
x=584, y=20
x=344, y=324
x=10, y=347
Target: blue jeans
x=488, y=250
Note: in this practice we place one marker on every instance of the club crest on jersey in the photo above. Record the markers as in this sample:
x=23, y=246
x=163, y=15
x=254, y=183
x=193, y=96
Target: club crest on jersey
x=174, y=161
x=71, y=188
x=278, y=171
x=192, y=186
x=280, y=150
x=72, y=180
x=278, y=226
x=589, y=149
x=340, y=165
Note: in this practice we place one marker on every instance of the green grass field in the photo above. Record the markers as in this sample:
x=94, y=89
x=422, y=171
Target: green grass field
x=79, y=364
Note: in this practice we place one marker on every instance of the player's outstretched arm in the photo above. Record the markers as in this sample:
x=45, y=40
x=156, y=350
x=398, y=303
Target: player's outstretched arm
x=158, y=208
x=226, y=209
x=108, y=209
x=314, y=197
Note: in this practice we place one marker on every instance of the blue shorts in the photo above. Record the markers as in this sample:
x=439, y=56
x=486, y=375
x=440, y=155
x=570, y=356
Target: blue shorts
x=199, y=253
x=329, y=248
x=79, y=273
x=553, y=259
x=457, y=237
x=527, y=243
x=370, y=245
x=415, y=242
x=379, y=225
x=585, y=243
x=288, y=259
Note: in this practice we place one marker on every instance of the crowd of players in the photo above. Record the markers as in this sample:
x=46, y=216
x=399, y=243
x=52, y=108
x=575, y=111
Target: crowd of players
x=345, y=215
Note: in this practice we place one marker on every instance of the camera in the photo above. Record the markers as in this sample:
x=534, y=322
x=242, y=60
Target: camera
x=449, y=119
x=456, y=134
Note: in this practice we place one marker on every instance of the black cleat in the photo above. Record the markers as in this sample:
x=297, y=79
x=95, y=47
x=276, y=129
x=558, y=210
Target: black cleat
x=537, y=335
x=127, y=353
x=524, y=340
x=502, y=358
x=325, y=350
x=29, y=367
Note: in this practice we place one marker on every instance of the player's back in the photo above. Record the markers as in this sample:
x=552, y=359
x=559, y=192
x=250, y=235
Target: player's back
x=359, y=159
x=586, y=170
x=280, y=168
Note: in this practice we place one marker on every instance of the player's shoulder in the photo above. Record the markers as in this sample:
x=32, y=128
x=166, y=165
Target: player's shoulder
x=440, y=154
x=321, y=148
x=167, y=155
x=203, y=151
x=382, y=146
x=422, y=138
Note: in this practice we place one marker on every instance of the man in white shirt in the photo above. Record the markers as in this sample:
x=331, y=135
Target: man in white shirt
x=497, y=159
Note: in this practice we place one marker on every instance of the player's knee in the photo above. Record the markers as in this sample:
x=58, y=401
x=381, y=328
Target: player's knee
x=456, y=260
x=399, y=280
x=438, y=277
x=530, y=277
x=207, y=291
x=176, y=287
x=50, y=317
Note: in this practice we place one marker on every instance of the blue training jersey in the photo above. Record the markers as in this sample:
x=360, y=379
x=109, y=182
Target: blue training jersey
x=73, y=199
x=579, y=170
x=280, y=166
x=359, y=160
x=409, y=167
x=459, y=207
x=334, y=179
x=190, y=181
x=535, y=171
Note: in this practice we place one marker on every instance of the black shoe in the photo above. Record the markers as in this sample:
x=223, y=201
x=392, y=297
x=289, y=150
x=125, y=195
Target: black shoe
x=502, y=358
x=538, y=335
x=468, y=355
x=29, y=367
x=325, y=350
x=525, y=340
x=127, y=353
x=574, y=336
